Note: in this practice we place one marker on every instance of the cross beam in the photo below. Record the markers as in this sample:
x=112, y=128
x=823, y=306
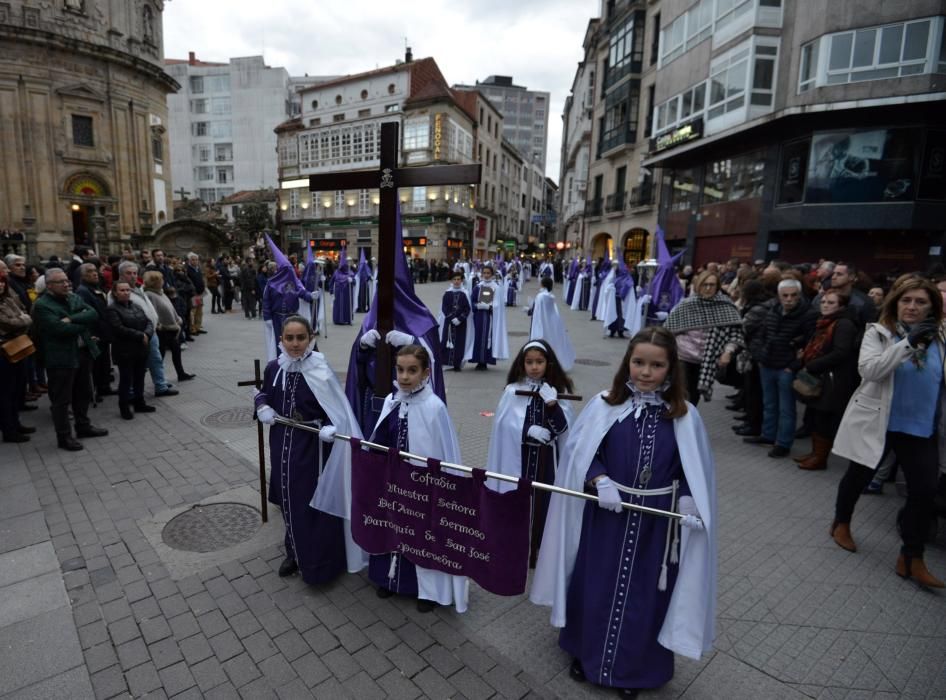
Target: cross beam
x=387, y=179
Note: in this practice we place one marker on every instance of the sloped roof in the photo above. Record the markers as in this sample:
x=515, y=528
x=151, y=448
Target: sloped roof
x=249, y=196
x=422, y=72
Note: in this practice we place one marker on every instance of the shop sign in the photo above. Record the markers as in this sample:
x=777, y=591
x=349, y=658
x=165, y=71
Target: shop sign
x=682, y=134
x=438, y=135
x=328, y=243
x=411, y=220
x=454, y=243
x=415, y=241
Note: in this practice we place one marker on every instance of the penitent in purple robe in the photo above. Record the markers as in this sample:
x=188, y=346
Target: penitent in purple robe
x=403, y=579
x=538, y=463
x=483, y=331
x=615, y=609
x=342, y=306
x=455, y=305
x=316, y=540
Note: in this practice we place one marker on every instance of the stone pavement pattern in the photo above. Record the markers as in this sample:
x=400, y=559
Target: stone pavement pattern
x=90, y=607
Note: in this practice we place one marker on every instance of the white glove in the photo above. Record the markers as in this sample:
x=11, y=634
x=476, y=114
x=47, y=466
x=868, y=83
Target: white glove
x=266, y=415
x=327, y=433
x=608, y=496
x=483, y=306
x=456, y=321
x=398, y=339
x=691, y=514
x=370, y=339
x=539, y=434
x=547, y=393
x=662, y=315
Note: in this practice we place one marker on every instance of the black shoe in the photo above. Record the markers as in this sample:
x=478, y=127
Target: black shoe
x=185, y=377
x=760, y=440
x=106, y=392
x=25, y=429
x=167, y=392
x=480, y=368
x=16, y=437
x=67, y=442
x=383, y=593
x=90, y=431
x=201, y=332
x=144, y=408
x=288, y=567
x=28, y=407
x=741, y=417
x=746, y=431
x=733, y=397
x=126, y=411
x=426, y=606
x=779, y=451
x=576, y=672
x=735, y=407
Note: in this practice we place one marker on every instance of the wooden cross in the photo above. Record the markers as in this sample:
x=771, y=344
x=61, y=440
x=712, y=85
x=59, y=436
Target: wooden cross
x=183, y=193
x=257, y=382
x=387, y=179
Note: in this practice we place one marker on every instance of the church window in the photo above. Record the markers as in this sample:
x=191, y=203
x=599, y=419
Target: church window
x=82, y=134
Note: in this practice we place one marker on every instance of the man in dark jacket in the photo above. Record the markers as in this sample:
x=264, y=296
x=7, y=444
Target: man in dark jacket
x=91, y=292
x=17, y=279
x=64, y=324
x=196, y=276
x=785, y=331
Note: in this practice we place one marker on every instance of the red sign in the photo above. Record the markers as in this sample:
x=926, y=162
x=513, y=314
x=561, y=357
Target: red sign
x=329, y=244
x=415, y=241
x=480, y=228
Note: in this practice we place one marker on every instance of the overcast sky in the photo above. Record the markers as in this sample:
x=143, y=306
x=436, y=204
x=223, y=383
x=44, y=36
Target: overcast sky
x=537, y=42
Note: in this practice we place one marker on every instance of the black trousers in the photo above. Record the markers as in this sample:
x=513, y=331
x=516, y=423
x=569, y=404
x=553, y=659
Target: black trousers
x=168, y=341
x=919, y=459
x=70, y=388
x=752, y=397
x=691, y=373
x=825, y=423
x=13, y=376
x=102, y=368
x=215, y=305
x=131, y=380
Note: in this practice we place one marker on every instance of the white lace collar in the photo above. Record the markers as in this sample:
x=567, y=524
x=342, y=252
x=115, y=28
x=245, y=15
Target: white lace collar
x=288, y=363
x=640, y=400
x=405, y=399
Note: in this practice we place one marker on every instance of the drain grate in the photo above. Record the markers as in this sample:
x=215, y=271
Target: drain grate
x=211, y=527
x=591, y=363
x=236, y=417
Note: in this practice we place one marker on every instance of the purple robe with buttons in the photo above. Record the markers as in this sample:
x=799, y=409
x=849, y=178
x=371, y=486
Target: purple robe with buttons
x=615, y=610
x=316, y=540
x=538, y=463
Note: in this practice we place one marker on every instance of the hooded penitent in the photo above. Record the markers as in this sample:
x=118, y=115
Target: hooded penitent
x=281, y=298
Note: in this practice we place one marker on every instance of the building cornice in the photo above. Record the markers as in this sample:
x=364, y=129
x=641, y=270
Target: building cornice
x=39, y=37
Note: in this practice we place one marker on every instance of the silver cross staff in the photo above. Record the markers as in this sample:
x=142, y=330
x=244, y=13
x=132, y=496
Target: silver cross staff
x=491, y=475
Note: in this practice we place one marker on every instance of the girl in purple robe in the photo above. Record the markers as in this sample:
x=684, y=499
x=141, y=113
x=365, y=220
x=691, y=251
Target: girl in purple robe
x=414, y=419
x=528, y=430
x=454, y=312
x=635, y=589
x=315, y=541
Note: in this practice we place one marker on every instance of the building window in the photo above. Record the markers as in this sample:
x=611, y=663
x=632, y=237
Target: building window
x=288, y=153
x=419, y=199
x=204, y=173
x=223, y=152
x=673, y=40
x=364, y=113
x=201, y=153
x=732, y=179
x=82, y=134
x=294, y=203
x=388, y=109
x=338, y=118
x=199, y=106
x=763, y=76
x=197, y=84
x=728, y=76
x=200, y=128
x=727, y=11
x=221, y=105
x=221, y=130
x=223, y=175
x=877, y=53
x=364, y=202
x=417, y=133
x=808, y=70
x=699, y=20
x=339, y=202
x=157, y=148
x=208, y=195
x=219, y=83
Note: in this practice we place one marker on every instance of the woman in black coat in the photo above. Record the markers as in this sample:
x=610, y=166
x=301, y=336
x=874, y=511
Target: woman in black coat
x=831, y=356
x=131, y=341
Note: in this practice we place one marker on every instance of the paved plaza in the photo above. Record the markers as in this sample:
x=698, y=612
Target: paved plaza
x=93, y=604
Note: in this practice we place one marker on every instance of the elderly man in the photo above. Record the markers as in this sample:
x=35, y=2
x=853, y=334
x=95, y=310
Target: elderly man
x=91, y=292
x=17, y=279
x=64, y=326
x=196, y=276
x=785, y=330
x=128, y=272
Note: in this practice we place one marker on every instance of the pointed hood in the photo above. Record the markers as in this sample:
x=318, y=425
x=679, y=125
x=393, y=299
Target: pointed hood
x=363, y=272
x=665, y=291
x=310, y=273
x=285, y=272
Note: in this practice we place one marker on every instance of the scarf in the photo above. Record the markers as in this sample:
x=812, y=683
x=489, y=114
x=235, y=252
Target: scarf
x=824, y=333
x=916, y=355
x=694, y=313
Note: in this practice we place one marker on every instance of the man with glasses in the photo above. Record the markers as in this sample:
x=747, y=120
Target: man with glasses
x=64, y=325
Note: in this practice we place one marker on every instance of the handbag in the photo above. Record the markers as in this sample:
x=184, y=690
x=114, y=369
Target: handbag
x=18, y=348
x=807, y=385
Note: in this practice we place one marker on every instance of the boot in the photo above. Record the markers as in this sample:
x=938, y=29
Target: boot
x=819, y=455
x=841, y=534
x=67, y=442
x=126, y=411
x=142, y=407
x=913, y=567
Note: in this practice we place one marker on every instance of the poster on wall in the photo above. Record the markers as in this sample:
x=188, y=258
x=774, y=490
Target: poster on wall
x=933, y=175
x=861, y=166
x=792, y=171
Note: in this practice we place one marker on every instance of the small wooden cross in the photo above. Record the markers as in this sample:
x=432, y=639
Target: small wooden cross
x=388, y=178
x=257, y=382
x=183, y=193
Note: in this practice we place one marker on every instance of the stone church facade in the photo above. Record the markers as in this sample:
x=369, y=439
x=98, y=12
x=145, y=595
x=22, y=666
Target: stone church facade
x=83, y=124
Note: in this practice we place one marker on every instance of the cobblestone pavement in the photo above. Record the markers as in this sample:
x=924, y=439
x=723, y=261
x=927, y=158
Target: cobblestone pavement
x=93, y=605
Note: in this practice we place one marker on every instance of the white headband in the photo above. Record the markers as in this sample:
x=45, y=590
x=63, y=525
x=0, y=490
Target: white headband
x=534, y=345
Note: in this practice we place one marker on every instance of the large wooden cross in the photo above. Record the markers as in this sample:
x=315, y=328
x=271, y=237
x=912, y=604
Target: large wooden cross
x=387, y=179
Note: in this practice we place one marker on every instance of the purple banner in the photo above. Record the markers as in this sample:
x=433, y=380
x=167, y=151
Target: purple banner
x=441, y=521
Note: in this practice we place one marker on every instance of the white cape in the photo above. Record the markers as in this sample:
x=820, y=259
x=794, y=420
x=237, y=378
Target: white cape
x=500, y=344
x=324, y=385
x=305, y=309
x=582, y=279
x=505, y=442
x=547, y=325
x=598, y=311
x=689, y=626
x=468, y=342
x=430, y=433
x=628, y=308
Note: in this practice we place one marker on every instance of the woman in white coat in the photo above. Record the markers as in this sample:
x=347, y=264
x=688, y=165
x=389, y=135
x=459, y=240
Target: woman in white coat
x=895, y=409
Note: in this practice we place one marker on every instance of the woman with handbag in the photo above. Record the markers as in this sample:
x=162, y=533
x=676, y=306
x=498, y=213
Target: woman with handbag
x=169, y=322
x=830, y=357
x=896, y=407
x=131, y=331
x=15, y=346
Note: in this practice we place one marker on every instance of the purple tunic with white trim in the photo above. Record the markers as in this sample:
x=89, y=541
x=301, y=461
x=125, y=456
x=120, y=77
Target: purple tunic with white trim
x=316, y=540
x=614, y=608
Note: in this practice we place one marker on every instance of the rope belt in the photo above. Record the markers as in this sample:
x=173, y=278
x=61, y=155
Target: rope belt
x=672, y=543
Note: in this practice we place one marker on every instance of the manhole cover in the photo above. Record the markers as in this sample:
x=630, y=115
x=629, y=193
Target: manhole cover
x=517, y=334
x=237, y=417
x=212, y=527
x=591, y=363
